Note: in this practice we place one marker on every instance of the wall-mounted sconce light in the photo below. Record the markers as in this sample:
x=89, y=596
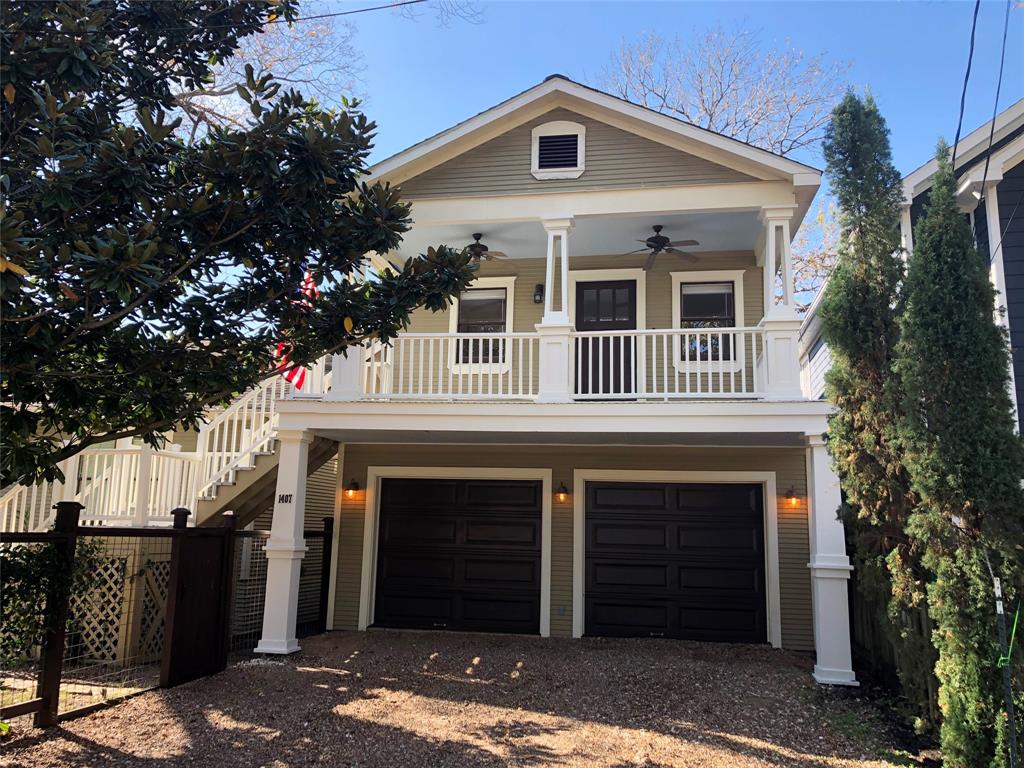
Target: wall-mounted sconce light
x=538, y=294
x=791, y=497
x=562, y=494
x=351, y=489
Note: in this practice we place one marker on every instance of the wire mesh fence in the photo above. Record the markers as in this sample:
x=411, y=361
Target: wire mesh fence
x=116, y=628
x=250, y=587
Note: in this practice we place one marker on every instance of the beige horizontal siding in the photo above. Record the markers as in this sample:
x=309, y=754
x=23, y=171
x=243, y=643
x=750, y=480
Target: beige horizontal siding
x=788, y=463
x=614, y=159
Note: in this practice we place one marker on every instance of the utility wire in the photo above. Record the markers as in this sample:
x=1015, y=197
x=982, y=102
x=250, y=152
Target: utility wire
x=992, y=125
x=384, y=7
x=967, y=77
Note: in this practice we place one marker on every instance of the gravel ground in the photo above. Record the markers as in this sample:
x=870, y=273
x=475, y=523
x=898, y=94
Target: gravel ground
x=400, y=699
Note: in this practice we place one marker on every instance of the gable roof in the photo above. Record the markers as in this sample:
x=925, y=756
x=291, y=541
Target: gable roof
x=558, y=90
x=972, y=148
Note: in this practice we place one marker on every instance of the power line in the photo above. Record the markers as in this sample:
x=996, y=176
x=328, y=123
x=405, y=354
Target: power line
x=995, y=106
x=287, y=21
x=967, y=77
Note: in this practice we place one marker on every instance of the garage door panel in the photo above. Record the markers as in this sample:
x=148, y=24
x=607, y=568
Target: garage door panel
x=453, y=555
x=507, y=614
x=610, y=576
x=720, y=579
x=415, y=568
x=625, y=496
x=397, y=493
x=694, y=569
x=399, y=530
x=506, y=495
x=517, y=574
x=620, y=537
x=720, y=537
x=624, y=617
x=523, y=533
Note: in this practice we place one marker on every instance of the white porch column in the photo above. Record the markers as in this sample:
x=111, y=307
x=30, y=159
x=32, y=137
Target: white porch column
x=558, y=248
x=830, y=569
x=555, y=327
x=347, y=374
x=781, y=363
x=286, y=546
x=906, y=229
x=997, y=271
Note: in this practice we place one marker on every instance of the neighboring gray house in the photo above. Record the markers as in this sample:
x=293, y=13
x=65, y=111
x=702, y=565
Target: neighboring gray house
x=990, y=191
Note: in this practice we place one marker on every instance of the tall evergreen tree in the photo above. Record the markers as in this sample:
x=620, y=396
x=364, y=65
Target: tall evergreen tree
x=966, y=464
x=859, y=316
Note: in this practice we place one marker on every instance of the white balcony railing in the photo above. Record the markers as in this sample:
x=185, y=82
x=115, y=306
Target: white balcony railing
x=668, y=364
x=454, y=366
x=596, y=365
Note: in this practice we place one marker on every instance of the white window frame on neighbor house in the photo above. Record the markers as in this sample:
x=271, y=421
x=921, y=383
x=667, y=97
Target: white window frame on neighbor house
x=734, y=276
x=766, y=480
x=509, y=284
x=558, y=128
x=371, y=524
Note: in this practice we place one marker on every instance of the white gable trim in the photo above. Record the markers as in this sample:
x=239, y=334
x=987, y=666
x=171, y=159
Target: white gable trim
x=557, y=91
x=976, y=141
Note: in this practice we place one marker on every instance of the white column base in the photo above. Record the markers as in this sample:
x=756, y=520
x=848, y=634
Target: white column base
x=555, y=362
x=826, y=676
x=781, y=344
x=280, y=614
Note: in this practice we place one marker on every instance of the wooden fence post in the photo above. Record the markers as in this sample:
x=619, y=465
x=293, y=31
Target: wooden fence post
x=325, y=571
x=180, y=516
x=228, y=582
x=58, y=599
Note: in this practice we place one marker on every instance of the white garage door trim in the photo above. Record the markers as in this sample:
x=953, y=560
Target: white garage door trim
x=771, y=530
x=374, y=475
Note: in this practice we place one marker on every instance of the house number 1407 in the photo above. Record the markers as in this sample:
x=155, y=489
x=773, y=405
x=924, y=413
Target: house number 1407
x=284, y=498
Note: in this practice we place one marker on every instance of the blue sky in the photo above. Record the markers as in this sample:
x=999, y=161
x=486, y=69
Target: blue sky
x=421, y=78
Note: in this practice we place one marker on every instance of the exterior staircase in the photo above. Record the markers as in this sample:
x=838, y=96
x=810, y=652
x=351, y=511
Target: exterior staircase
x=233, y=467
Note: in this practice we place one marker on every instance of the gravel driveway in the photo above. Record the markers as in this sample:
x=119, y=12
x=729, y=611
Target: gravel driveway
x=400, y=699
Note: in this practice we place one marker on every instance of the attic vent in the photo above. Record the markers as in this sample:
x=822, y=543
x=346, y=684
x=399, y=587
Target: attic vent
x=558, y=151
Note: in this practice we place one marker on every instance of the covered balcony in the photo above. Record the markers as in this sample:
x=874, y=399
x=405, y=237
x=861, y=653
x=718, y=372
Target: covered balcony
x=604, y=327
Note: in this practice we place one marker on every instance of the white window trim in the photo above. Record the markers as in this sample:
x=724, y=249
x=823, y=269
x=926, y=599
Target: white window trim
x=558, y=128
x=368, y=585
x=768, y=483
x=509, y=284
x=734, y=276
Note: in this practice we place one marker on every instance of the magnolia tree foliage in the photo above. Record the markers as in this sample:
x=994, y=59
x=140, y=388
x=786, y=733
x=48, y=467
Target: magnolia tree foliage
x=860, y=324
x=144, y=279
x=966, y=464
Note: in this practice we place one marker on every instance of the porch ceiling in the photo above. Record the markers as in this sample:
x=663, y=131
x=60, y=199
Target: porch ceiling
x=595, y=235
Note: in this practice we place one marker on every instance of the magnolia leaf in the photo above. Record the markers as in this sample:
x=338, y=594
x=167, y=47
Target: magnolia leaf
x=9, y=93
x=6, y=264
x=349, y=325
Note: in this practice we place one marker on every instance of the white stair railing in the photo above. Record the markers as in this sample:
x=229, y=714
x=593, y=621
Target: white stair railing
x=233, y=438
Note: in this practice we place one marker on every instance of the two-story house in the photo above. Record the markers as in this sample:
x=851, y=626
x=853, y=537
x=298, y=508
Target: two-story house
x=605, y=435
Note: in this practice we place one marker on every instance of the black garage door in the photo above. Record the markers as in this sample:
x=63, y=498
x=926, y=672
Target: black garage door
x=459, y=554
x=675, y=560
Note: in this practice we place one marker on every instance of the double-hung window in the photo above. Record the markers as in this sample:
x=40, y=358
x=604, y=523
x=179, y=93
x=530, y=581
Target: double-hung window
x=706, y=306
x=482, y=311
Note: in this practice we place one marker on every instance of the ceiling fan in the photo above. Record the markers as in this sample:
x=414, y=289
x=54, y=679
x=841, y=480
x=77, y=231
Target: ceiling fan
x=479, y=250
x=658, y=243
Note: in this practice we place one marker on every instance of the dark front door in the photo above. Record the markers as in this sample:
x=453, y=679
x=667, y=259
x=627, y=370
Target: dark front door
x=675, y=560
x=459, y=554
x=605, y=364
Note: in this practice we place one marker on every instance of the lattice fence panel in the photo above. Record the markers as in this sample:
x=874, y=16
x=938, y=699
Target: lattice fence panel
x=154, y=605
x=96, y=615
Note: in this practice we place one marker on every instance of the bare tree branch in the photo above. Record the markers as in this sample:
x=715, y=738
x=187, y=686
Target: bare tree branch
x=727, y=81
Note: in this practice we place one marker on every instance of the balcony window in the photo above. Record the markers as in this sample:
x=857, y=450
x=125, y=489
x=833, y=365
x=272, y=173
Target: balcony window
x=482, y=311
x=708, y=305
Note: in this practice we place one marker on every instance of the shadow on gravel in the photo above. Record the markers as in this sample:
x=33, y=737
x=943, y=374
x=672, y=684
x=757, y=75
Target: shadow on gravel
x=425, y=699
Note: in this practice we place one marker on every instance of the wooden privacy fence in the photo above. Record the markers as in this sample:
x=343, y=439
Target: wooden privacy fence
x=156, y=612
